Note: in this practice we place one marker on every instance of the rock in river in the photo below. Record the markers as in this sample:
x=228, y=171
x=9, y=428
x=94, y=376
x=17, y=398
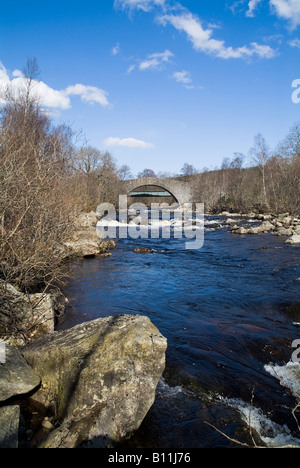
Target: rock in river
x=294, y=240
x=99, y=378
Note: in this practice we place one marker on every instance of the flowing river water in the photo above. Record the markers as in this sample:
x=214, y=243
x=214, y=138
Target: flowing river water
x=230, y=312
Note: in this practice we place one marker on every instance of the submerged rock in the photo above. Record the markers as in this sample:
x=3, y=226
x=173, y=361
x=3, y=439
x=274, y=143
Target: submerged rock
x=143, y=250
x=99, y=378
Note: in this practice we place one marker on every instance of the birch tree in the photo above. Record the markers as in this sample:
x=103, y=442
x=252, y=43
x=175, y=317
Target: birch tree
x=260, y=156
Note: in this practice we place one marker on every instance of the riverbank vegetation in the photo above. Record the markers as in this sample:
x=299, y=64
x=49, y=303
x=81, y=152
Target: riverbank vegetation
x=267, y=181
x=47, y=177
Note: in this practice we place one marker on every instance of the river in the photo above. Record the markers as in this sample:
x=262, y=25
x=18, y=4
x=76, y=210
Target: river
x=230, y=312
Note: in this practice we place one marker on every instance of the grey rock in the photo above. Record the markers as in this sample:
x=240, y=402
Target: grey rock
x=86, y=244
x=143, y=250
x=9, y=426
x=85, y=241
x=16, y=376
x=294, y=240
x=99, y=378
x=24, y=317
x=284, y=231
x=240, y=230
x=86, y=220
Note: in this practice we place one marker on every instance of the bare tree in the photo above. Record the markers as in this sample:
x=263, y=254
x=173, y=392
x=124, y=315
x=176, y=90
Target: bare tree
x=31, y=73
x=35, y=201
x=87, y=160
x=260, y=155
x=146, y=173
x=188, y=170
x=124, y=173
x=290, y=146
x=108, y=182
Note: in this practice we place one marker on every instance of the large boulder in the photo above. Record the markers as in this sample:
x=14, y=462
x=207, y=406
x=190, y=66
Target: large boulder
x=294, y=240
x=99, y=378
x=85, y=241
x=239, y=230
x=282, y=231
x=86, y=220
x=16, y=377
x=86, y=244
x=265, y=226
x=83, y=244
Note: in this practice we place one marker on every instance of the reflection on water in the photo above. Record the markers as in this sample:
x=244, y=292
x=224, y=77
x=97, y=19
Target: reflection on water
x=225, y=311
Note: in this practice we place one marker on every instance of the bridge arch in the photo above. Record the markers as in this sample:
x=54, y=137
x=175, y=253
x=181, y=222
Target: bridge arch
x=152, y=192
x=181, y=191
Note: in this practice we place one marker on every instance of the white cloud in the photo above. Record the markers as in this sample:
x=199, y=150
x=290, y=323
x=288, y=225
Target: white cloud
x=143, y=5
x=237, y=6
x=287, y=9
x=128, y=143
x=156, y=61
x=203, y=41
x=50, y=97
x=17, y=74
x=130, y=69
x=295, y=43
x=184, y=77
x=252, y=5
x=116, y=49
x=90, y=94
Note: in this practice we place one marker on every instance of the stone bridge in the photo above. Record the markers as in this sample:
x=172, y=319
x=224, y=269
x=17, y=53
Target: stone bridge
x=181, y=191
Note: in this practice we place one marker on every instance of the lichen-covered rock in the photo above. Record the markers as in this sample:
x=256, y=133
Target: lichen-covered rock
x=83, y=244
x=9, y=426
x=87, y=244
x=85, y=241
x=99, y=378
x=16, y=377
x=24, y=317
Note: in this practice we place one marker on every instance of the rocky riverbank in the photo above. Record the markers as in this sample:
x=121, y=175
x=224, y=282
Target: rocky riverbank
x=85, y=242
x=280, y=225
x=89, y=386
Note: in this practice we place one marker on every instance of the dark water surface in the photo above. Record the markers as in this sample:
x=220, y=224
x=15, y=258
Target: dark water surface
x=227, y=311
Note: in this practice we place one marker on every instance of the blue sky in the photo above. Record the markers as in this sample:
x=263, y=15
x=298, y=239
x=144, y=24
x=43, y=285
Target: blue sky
x=159, y=83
